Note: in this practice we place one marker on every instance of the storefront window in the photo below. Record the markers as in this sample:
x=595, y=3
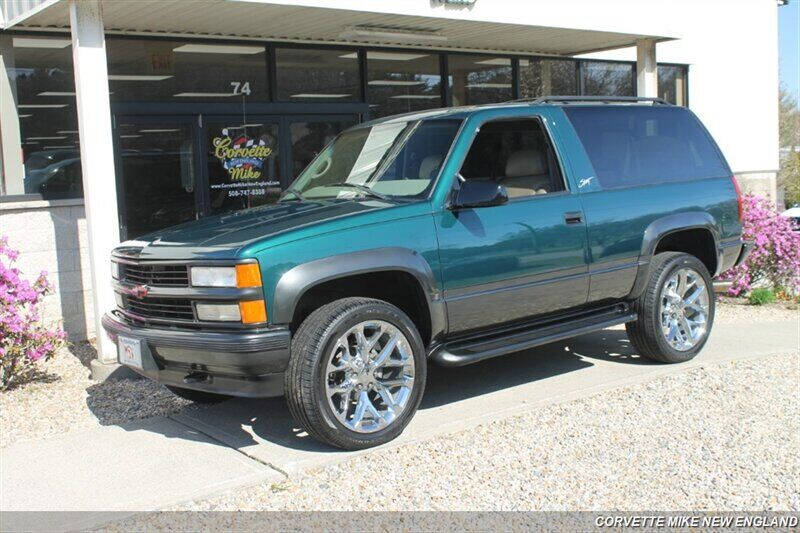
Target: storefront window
x=310, y=74
x=45, y=86
x=601, y=78
x=178, y=71
x=400, y=82
x=479, y=79
x=546, y=77
x=672, y=84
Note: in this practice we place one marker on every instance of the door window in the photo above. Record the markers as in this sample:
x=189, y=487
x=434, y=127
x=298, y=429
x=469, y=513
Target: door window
x=158, y=175
x=516, y=154
x=243, y=164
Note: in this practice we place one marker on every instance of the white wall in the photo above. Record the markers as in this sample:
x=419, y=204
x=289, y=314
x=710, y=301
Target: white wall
x=732, y=52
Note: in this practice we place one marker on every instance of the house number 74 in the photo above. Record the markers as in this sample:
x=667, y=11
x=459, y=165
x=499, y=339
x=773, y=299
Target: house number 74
x=241, y=87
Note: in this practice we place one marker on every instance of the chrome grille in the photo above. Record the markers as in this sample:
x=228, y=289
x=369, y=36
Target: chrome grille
x=164, y=308
x=155, y=275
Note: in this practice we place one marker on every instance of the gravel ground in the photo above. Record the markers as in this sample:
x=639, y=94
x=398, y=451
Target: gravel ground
x=723, y=437
x=65, y=399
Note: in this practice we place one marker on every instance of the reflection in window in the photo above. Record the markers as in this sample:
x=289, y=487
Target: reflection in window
x=479, y=79
x=179, y=71
x=672, y=84
x=307, y=74
x=308, y=138
x=400, y=82
x=45, y=87
x=601, y=78
x=547, y=77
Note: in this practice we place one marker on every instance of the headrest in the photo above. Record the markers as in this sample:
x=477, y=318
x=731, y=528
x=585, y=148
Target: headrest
x=525, y=163
x=429, y=165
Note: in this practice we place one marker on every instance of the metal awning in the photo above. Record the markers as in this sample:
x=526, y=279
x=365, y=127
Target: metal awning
x=292, y=23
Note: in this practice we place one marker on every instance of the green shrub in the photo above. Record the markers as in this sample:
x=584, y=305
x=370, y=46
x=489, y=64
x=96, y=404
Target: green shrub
x=762, y=296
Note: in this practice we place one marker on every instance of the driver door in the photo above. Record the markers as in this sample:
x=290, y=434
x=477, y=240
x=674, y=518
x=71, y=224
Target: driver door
x=525, y=257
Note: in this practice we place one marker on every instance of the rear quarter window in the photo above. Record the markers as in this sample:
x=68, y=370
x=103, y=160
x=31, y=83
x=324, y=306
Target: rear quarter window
x=635, y=145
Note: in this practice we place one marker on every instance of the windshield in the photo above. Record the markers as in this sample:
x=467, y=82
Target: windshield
x=391, y=159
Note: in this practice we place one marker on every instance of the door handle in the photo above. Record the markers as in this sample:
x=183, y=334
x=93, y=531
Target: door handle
x=573, y=217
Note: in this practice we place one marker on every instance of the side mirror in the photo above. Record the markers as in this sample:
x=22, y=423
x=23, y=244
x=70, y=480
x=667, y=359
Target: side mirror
x=479, y=193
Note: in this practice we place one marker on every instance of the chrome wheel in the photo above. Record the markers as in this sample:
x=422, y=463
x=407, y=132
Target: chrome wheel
x=684, y=309
x=369, y=376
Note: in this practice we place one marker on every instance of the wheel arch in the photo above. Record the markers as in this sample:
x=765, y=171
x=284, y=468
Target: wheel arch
x=299, y=281
x=694, y=232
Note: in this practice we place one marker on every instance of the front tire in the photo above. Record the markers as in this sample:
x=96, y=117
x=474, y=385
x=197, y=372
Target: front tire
x=356, y=374
x=676, y=309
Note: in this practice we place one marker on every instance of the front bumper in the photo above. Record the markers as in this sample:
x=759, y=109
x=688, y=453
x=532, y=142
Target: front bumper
x=237, y=363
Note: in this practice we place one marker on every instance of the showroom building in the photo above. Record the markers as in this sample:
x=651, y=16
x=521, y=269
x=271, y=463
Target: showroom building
x=118, y=118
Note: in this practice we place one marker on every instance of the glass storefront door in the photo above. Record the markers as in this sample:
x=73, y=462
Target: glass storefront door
x=243, y=162
x=157, y=173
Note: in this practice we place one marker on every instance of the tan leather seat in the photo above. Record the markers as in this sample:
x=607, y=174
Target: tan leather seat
x=526, y=174
x=429, y=166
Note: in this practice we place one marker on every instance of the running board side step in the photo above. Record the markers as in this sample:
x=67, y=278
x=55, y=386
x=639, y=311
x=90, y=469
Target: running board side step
x=468, y=351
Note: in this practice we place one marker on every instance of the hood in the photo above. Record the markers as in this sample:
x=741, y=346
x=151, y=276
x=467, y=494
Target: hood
x=221, y=235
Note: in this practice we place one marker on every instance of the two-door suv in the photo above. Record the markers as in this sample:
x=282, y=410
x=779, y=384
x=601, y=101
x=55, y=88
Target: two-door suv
x=448, y=236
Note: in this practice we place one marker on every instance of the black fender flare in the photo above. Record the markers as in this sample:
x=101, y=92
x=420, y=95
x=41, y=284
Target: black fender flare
x=298, y=280
x=661, y=227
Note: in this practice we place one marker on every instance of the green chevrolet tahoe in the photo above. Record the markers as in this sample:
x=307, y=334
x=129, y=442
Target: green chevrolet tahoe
x=442, y=237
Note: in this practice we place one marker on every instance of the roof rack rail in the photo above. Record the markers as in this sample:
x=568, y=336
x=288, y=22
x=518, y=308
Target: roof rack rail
x=593, y=99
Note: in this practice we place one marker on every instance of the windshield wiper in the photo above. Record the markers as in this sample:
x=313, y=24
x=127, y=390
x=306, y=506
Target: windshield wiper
x=362, y=188
x=297, y=195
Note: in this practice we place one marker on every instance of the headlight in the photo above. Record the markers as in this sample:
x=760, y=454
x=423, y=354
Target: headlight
x=241, y=276
x=114, y=270
x=219, y=312
x=214, y=276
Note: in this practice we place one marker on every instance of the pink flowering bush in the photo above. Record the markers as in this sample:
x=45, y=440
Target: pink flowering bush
x=24, y=340
x=775, y=258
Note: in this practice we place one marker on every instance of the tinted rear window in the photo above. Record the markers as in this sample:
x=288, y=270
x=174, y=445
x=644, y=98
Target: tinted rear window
x=633, y=145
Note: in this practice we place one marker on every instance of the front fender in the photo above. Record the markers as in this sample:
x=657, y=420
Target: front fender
x=295, y=282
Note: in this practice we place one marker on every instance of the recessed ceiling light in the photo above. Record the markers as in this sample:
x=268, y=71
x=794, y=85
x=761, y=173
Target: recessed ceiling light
x=46, y=138
x=391, y=35
x=40, y=106
x=59, y=147
x=393, y=56
x=159, y=130
x=67, y=131
x=415, y=97
x=34, y=42
x=57, y=93
x=488, y=85
x=218, y=49
x=24, y=116
x=128, y=136
x=495, y=61
x=203, y=95
x=319, y=95
x=136, y=77
x=396, y=82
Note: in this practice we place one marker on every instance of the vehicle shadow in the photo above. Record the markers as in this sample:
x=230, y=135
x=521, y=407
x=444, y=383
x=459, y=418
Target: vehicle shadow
x=264, y=426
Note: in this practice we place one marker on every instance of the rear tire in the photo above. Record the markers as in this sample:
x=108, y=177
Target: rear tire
x=676, y=309
x=198, y=396
x=356, y=374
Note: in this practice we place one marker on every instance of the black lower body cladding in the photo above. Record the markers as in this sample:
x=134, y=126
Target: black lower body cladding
x=236, y=363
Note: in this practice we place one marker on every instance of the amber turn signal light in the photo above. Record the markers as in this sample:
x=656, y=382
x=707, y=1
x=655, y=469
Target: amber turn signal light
x=248, y=275
x=253, y=311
